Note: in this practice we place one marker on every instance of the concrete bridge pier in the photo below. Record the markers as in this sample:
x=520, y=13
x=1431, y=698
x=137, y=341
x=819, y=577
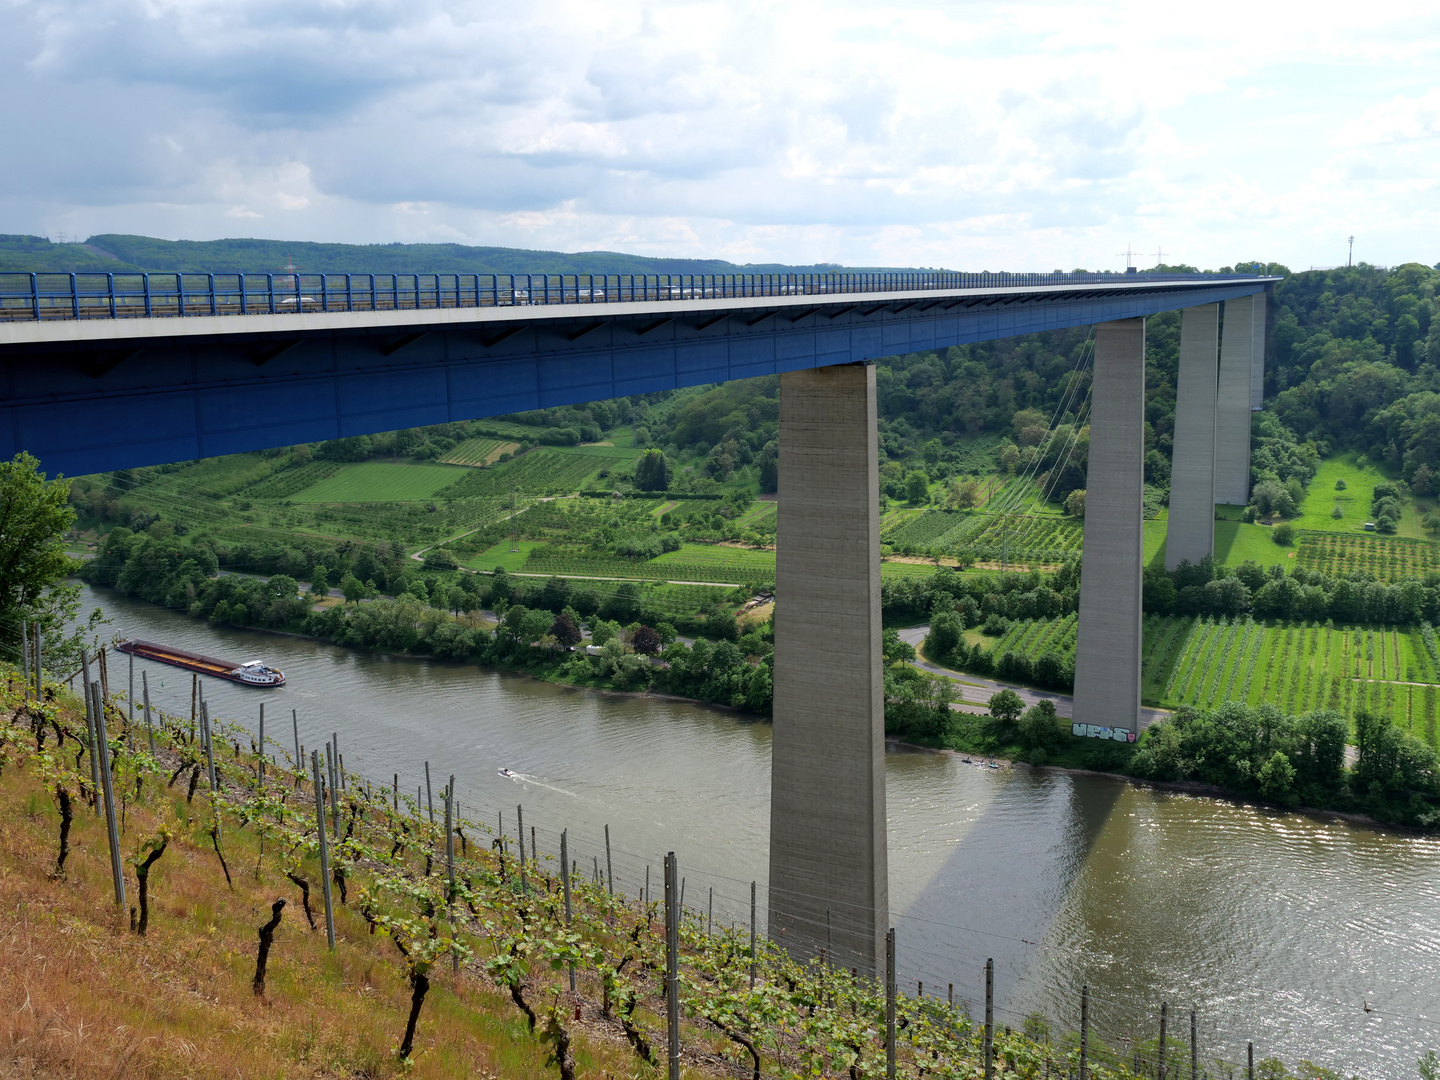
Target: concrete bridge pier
x=828, y=866
x=1107, y=653
x=1232, y=416
x=1190, y=531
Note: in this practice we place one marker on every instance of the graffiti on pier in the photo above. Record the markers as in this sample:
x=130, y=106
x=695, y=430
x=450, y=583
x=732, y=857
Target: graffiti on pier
x=1093, y=731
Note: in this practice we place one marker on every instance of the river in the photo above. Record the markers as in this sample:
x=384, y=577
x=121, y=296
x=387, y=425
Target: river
x=1275, y=927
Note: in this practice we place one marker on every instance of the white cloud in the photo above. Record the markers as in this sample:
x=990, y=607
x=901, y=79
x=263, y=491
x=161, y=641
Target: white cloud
x=1033, y=134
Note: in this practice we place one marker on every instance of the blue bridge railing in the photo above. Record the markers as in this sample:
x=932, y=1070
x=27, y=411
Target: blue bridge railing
x=44, y=296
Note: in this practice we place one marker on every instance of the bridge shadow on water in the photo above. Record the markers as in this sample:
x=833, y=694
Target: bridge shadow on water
x=997, y=891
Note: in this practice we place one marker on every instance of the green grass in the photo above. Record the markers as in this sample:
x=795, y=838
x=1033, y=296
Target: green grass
x=1354, y=502
x=1235, y=541
x=378, y=481
x=501, y=555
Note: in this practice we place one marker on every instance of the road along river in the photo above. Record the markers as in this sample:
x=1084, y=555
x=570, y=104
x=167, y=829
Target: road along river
x=1275, y=927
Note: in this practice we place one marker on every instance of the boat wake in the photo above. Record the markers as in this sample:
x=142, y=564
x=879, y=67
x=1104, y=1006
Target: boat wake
x=511, y=774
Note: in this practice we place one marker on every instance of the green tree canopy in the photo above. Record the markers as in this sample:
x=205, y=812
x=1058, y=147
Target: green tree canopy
x=652, y=471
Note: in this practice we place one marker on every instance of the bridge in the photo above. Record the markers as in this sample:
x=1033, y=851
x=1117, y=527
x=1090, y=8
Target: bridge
x=109, y=371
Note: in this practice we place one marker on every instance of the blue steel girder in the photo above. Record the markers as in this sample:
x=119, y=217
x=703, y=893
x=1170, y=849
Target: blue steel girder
x=90, y=396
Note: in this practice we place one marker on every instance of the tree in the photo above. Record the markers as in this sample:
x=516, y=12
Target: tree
x=645, y=640
x=1038, y=727
x=892, y=649
x=353, y=588
x=564, y=629
x=768, y=466
x=34, y=516
x=1006, y=706
x=320, y=581
x=440, y=559
x=556, y=594
x=946, y=632
x=917, y=486
x=457, y=599
x=963, y=494
x=1075, y=503
x=1284, y=535
x=720, y=625
x=652, y=471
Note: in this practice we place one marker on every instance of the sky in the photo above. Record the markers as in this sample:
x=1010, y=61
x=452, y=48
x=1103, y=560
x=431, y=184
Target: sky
x=971, y=136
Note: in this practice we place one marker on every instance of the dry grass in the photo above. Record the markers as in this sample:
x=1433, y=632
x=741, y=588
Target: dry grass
x=83, y=996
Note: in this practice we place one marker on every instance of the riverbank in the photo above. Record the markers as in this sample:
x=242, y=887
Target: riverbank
x=981, y=860
x=1178, y=787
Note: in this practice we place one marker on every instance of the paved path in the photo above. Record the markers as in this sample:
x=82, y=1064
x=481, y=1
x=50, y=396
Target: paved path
x=976, y=689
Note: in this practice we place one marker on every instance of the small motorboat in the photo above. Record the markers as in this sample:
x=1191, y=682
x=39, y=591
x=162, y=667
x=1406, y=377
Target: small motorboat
x=967, y=761
x=506, y=772
x=992, y=765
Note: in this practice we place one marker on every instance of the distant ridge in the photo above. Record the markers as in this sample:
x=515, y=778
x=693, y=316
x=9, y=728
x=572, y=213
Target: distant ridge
x=117, y=252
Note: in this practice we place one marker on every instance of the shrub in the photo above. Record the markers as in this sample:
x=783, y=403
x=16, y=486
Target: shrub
x=995, y=624
x=1339, y=485
x=1039, y=726
x=1284, y=535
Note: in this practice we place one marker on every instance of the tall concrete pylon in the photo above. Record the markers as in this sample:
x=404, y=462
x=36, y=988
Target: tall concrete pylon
x=1257, y=354
x=1232, y=410
x=1107, y=651
x=1190, y=531
x=827, y=796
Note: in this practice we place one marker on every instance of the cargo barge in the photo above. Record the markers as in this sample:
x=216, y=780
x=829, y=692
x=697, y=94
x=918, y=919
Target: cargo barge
x=250, y=673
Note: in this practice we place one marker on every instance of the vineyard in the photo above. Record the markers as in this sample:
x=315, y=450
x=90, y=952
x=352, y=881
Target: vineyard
x=540, y=472
x=1297, y=668
x=918, y=532
x=693, y=562
x=1044, y=538
x=291, y=482
x=473, y=958
x=1389, y=558
x=1035, y=637
x=479, y=452
x=1019, y=538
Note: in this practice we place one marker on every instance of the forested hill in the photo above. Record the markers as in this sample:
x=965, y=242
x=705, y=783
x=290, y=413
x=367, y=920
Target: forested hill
x=114, y=252
x=1353, y=364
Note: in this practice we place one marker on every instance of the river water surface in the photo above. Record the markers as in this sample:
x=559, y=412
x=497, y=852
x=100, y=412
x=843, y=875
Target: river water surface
x=1275, y=927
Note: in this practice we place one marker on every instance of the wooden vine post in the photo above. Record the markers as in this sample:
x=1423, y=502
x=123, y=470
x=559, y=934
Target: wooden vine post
x=324, y=849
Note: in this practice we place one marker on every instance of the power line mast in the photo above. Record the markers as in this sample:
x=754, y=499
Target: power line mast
x=1160, y=256
x=1129, y=258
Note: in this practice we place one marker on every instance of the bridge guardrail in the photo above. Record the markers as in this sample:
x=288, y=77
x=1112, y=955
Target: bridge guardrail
x=30, y=297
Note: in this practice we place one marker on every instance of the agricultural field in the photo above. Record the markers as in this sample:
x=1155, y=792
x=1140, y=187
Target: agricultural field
x=547, y=471
x=379, y=481
x=479, y=452
x=1389, y=558
x=603, y=450
x=917, y=531
x=500, y=555
x=285, y=485
x=1034, y=637
x=1296, y=667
